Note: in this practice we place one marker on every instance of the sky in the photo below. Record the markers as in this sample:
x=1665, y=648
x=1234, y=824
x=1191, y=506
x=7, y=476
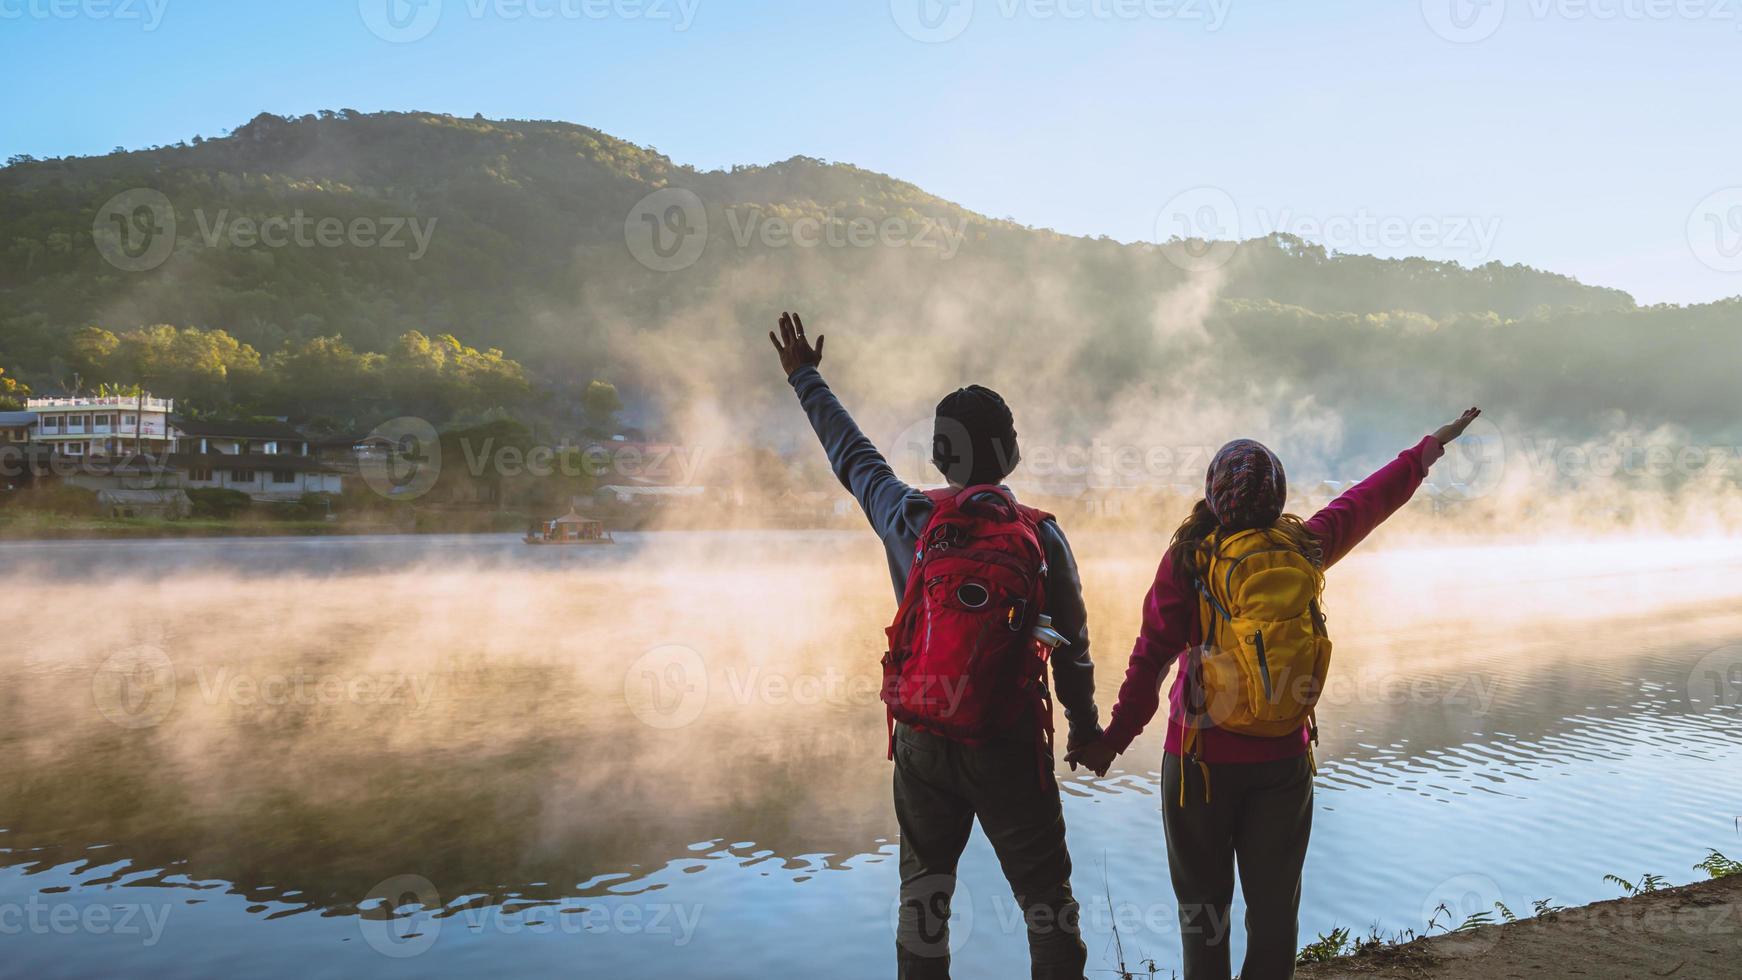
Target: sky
x=1596, y=138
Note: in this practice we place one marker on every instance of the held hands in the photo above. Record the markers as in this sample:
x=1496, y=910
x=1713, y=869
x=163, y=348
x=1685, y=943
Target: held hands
x=794, y=349
x=1452, y=430
x=1096, y=756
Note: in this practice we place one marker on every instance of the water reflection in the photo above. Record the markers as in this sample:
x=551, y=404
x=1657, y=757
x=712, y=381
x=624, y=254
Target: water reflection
x=293, y=723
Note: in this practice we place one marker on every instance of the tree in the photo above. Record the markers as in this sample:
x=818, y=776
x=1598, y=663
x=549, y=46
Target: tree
x=600, y=406
x=323, y=375
x=90, y=350
x=440, y=376
x=12, y=392
x=207, y=367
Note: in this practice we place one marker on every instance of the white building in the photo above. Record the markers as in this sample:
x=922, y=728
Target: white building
x=103, y=425
x=266, y=460
x=134, y=442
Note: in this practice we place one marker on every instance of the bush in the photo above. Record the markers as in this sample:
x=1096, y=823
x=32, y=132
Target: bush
x=308, y=507
x=217, y=502
x=58, y=498
x=356, y=495
x=319, y=505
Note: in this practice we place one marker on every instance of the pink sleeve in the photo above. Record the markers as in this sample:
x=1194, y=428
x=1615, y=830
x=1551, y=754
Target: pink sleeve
x=1351, y=517
x=1168, y=615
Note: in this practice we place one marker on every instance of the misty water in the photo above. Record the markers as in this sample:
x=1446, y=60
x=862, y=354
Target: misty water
x=458, y=755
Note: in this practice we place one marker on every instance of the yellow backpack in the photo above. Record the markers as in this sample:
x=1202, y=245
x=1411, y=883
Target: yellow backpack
x=1261, y=668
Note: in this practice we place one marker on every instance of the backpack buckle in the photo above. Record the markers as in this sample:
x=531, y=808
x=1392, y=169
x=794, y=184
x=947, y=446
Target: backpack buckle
x=945, y=536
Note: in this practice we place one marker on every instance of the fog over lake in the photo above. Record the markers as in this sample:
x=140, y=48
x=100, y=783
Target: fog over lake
x=406, y=756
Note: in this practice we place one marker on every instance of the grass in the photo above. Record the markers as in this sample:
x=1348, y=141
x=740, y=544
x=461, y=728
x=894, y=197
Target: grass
x=1340, y=942
x=1647, y=884
x=1718, y=866
x=31, y=524
x=1124, y=970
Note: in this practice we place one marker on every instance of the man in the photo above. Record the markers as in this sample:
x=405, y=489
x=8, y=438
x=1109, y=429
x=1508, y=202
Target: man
x=942, y=784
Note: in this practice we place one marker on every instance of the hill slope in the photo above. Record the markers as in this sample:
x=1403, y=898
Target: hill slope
x=540, y=238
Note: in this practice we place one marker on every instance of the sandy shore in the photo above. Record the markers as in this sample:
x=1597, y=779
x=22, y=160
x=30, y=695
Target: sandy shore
x=1690, y=933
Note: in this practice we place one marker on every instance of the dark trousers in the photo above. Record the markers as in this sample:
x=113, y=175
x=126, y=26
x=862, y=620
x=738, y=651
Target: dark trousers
x=940, y=787
x=1258, y=819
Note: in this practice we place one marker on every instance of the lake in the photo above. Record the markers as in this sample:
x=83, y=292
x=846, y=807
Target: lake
x=417, y=756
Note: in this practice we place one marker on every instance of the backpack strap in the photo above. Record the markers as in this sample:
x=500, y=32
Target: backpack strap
x=1208, y=609
x=943, y=500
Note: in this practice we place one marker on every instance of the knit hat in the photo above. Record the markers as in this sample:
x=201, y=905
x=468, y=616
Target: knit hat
x=1245, y=486
x=974, y=439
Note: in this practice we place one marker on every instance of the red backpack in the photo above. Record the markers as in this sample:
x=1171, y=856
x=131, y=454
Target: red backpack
x=963, y=659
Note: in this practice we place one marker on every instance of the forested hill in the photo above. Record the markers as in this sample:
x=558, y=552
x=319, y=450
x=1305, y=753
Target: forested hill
x=529, y=219
x=522, y=236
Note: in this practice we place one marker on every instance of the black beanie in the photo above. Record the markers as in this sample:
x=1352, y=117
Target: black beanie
x=974, y=441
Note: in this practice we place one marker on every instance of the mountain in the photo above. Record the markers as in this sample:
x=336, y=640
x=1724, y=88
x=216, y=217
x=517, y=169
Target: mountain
x=583, y=256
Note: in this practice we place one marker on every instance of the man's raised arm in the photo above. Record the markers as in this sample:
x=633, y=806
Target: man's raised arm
x=890, y=504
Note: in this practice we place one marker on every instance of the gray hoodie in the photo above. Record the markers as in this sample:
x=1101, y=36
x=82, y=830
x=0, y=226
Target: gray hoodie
x=899, y=513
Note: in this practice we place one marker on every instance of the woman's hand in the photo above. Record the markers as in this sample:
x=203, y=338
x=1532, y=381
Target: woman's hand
x=795, y=351
x=1452, y=430
x=1097, y=757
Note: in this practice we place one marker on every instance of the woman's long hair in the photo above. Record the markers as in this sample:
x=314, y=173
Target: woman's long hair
x=1187, y=550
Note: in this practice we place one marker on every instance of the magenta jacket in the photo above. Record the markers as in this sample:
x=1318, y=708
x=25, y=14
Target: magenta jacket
x=1170, y=618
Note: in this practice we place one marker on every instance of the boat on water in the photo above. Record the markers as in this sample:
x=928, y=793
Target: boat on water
x=571, y=528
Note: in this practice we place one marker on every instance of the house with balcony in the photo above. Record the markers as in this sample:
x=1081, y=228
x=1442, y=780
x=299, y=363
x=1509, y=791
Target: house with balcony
x=102, y=425
x=267, y=460
x=137, y=443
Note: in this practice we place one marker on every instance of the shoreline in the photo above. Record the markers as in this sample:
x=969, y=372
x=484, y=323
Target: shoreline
x=99, y=529
x=1690, y=932
x=169, y=531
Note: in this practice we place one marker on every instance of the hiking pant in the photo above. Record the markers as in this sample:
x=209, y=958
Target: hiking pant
x=1258, y=819
x=940, y=787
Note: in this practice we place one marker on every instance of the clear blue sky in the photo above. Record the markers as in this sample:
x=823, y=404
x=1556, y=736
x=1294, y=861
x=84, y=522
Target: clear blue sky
x=1575, y=142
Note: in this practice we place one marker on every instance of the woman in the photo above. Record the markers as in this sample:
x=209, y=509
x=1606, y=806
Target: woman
x=1232, y=800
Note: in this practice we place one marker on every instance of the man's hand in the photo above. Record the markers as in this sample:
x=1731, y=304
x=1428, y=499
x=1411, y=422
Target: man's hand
x=1077, y=740
x=1446, y=433
x=795, y=351
x=1096, y=756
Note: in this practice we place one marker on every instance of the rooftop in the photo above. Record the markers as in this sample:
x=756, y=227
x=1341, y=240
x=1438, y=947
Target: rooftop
x=145, y=402
x=17, y=418
x=248, y=461
x=236, y=428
